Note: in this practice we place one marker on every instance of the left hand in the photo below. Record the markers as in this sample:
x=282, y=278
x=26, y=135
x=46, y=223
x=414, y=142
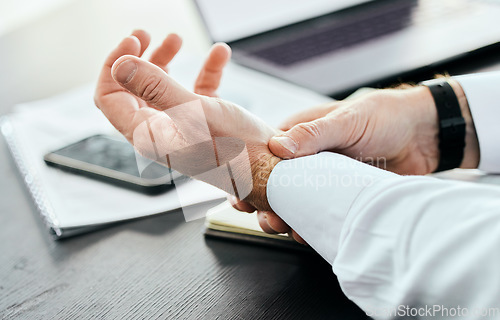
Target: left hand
x=207, y=83
x=393, y=129
x=200, y=136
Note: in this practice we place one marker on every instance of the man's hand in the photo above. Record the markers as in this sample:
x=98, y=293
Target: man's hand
x=199, y=135
x=269, y=221
x=394, y=129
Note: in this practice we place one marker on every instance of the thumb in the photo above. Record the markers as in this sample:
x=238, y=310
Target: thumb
x=308, y=138
x=150, y=83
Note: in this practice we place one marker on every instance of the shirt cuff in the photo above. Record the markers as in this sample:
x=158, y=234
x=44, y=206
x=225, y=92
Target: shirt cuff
x=313, y=195
x=483, y=97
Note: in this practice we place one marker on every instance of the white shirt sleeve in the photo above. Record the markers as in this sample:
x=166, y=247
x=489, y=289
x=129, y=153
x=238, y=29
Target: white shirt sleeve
x=397, y=244
x=482, y=92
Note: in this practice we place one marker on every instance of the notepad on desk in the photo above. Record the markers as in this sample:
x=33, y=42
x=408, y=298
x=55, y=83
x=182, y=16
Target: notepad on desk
x=225, y=222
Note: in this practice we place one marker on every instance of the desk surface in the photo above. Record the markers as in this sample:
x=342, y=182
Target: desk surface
x=158, y=267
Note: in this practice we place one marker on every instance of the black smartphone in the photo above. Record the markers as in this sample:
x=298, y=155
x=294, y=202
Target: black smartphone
x=114, y=161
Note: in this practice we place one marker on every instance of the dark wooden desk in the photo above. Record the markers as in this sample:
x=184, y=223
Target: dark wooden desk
x=160, y=267
x=155, y=268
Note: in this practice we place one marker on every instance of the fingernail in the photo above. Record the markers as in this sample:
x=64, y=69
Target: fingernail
x=287, y=143
x=125, y=71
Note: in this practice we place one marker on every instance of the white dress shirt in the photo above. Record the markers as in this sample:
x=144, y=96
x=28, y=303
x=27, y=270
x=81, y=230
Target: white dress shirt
x=404, y=245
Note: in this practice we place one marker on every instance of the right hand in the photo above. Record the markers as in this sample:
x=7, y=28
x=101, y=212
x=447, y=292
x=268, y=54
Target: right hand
x=394, y=129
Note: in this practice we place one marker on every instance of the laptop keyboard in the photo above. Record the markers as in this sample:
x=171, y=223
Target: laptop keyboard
x=334, y=32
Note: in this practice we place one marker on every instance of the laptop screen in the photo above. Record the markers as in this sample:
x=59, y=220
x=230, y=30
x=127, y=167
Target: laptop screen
x=229, y=20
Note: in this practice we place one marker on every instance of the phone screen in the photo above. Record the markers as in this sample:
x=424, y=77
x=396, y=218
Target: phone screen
x=112, y=160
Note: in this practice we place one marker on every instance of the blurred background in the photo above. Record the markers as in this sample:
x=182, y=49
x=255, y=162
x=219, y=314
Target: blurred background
x=50, y=46
x=63, y=43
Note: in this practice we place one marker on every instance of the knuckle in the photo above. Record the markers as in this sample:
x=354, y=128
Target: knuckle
x=152, y=90
x=205, y=91
x=310, y=129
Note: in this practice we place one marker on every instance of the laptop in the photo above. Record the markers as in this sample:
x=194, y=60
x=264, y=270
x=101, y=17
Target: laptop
x=333, y=46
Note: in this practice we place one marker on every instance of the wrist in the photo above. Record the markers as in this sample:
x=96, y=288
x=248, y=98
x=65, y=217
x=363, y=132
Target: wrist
x=261, y=171
x=426, y=125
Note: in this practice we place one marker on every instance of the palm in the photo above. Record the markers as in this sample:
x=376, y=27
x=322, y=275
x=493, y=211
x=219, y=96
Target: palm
x=196, y=133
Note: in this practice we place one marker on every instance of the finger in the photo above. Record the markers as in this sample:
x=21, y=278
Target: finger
x=309, y=138
x=276, y=223
x=131, y=45
x=262, y=218
x=307, y=115
x=208, y=80
x=144, y=39
x=240, y=205
x=297, y=237
x=150, y=83
x=232, y=200
x=166, y=51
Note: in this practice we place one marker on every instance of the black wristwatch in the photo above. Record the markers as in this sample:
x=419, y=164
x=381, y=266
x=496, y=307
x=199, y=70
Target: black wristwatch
x=451, y=124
